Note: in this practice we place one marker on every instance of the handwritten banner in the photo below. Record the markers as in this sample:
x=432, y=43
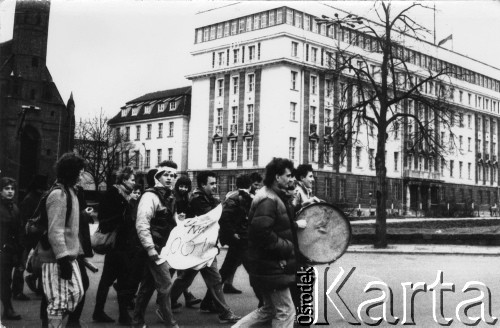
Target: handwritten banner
x=192, y=243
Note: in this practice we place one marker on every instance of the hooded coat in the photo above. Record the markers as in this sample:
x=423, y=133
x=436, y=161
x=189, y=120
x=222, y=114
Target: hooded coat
x=155, y=217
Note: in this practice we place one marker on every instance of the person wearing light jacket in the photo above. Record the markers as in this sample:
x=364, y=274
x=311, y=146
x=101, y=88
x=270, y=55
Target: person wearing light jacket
x=155, y=220
x=61, y=277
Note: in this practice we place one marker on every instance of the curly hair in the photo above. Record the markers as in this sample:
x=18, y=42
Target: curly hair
x=302, y=171
x=68, y=168
x=277, y=166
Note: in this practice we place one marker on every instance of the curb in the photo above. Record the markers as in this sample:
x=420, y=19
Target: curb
x=416, y=249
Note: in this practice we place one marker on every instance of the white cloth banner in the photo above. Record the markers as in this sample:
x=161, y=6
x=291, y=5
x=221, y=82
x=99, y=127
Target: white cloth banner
x=192, y=243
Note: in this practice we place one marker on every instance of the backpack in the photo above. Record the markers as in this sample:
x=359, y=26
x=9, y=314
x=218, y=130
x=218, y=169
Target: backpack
x=37, y=226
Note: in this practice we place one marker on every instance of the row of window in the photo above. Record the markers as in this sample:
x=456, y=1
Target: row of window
x=240, y=25
x=233, y=119
x=124, y=159
x=235, y=85
x=351, y=36
x=148, y=108
x=484, y=196
x=222, y=58
x=233, y=150
x=149, y=131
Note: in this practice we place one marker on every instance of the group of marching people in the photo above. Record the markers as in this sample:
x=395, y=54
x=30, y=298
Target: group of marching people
x=257, y=224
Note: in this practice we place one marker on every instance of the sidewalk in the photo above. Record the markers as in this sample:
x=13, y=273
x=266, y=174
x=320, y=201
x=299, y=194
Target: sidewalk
x=427, y=249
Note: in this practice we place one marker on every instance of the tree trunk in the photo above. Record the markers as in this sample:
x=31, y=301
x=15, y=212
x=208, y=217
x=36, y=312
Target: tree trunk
x=381, y=193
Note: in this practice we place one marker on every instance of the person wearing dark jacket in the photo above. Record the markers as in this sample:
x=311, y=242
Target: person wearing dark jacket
x=11, y=248
x=27, y=207
x=272, y=245
x=234, y=229
x=115, y=214
x=182, y=189
x=202, y=202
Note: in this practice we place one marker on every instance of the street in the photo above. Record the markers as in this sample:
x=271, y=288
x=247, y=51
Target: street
x=393, y=269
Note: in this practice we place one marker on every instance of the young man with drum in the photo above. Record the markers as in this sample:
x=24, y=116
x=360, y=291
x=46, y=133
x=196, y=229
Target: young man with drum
x=272, y=246
x=303, y=196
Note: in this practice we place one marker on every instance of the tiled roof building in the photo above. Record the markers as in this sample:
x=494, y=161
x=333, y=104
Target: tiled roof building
x=157, y=124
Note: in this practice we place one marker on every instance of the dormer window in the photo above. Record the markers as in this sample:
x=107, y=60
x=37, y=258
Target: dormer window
x=135, y=111
x=173, y=105
x=161, y=107
x=147, y=109
x=124, y=112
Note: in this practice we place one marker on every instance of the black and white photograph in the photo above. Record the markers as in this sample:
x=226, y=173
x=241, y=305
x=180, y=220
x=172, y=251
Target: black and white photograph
x=249, y=163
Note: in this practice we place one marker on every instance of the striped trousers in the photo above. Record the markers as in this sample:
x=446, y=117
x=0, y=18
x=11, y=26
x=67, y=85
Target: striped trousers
x=62, y=295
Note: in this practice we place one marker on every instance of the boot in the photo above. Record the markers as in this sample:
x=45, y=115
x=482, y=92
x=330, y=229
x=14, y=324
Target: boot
x=124, y=317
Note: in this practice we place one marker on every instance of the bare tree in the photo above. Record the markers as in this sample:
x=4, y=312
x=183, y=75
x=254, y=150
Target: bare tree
x=384, y=91
x=104, y=149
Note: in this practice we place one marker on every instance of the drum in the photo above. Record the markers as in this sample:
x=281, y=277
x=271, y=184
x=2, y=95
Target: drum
x=327, y=234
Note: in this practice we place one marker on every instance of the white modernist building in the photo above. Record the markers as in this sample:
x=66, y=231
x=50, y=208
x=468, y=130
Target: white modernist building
x=260, y=91
x=157, y=126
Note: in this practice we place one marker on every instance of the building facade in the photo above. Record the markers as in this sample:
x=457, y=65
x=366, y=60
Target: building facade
x=157, y=127
x=261, y=90
x=36, y=126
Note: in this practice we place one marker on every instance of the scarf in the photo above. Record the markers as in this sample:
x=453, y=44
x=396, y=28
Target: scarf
x=124, y=191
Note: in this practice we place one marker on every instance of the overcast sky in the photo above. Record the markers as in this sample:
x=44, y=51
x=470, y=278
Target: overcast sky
x=108, y=52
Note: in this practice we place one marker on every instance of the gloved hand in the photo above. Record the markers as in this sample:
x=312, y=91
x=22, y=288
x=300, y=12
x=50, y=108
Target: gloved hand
x=65, y=268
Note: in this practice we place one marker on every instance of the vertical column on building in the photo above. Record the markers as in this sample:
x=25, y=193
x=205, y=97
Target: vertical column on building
x=337, y=148
x=490, y=150
x=497, y=154
x=477, y=150
x=349, y=129
x=305, y=127
x=483, y=147
x=241, y=118
x=256, y=118
x=211, y=122
x=225, y=121
x=321, y=125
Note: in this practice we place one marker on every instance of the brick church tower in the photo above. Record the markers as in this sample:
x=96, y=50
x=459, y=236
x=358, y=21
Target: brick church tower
x=36, y=126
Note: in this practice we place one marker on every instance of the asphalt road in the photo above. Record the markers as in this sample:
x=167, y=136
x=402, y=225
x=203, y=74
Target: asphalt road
x=391, y=269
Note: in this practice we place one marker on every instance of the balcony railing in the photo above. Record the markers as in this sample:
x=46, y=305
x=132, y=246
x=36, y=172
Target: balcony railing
x=421, y=174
